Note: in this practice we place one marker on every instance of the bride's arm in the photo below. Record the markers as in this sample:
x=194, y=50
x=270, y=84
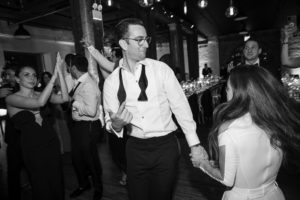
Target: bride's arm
x=226, y=171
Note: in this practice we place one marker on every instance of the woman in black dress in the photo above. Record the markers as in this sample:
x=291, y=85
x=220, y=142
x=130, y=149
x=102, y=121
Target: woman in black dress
x=39, y=143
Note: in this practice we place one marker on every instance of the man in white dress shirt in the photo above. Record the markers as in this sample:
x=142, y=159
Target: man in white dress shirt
x=141, y=94
x=85, y=129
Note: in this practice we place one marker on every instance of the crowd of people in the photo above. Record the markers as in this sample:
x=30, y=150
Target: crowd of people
x=258, y=123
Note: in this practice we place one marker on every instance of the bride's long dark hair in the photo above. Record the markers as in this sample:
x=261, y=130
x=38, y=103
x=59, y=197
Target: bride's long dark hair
x=256, y=91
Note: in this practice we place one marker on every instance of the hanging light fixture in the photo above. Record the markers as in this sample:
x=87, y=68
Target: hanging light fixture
x=109, y=3
x=202, y=3
x=184, y=8
x=158, y=1
x=146, y=3
x=231, y=11
x=22, y=33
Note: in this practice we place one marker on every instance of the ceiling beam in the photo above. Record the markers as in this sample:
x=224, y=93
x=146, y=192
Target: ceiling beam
x=41, y=15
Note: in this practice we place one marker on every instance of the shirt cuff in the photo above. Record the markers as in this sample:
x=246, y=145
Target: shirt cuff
x=77, y=106
x=192, y=139
x=110, y=129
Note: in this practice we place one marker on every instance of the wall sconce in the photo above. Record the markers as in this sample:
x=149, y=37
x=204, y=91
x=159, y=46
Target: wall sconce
x=202, y=3
x=97, y=12
x=146, y=3
x=231, y=11
x=22, y=33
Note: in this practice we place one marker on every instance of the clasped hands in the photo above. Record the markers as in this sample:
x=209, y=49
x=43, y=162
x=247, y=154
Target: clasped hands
x=198, y=155
x=121, y=118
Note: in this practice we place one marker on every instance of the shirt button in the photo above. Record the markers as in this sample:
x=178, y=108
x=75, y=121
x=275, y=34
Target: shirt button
x=142, y=117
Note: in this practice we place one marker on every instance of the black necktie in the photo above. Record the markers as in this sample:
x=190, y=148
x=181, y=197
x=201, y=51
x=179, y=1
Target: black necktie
x=121, y=92
x=71, y=93
x=143, y=83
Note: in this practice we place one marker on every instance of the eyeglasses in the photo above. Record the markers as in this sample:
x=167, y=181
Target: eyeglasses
x=140, y=41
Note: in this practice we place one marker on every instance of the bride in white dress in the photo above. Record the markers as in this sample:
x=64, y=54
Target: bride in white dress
x=251, y=135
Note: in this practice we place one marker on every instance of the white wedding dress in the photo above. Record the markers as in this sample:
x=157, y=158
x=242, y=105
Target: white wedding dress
x=251, y=162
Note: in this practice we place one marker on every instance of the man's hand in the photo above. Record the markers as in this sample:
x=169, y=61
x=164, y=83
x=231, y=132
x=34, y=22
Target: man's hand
x=4, y=92
x=197, y=155
x=287, y=31
x=85, y=43
x=121, y=118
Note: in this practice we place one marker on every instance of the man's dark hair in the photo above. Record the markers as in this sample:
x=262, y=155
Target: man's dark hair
x=81, y=63
x=118, y=52
x=123, y=25
x=254, y=40
x=69, y=59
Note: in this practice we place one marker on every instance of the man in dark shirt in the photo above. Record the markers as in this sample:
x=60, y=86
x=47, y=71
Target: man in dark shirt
x=206, y=70
x=252, y=56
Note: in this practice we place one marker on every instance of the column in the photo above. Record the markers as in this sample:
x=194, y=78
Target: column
x=83, y=27
x=193, y=59
x=176, y=48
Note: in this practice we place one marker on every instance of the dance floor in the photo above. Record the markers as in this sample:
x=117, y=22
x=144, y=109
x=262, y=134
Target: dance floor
x=191, y=183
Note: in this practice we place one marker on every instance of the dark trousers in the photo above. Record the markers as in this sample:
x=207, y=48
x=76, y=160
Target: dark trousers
x=14, y=167
x=85, y=157
x=117, y=148
x=152, y=166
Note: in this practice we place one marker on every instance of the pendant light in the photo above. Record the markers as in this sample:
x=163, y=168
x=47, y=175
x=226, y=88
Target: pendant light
x=146, y=3
x=22, y=33
x=231, y=11
x=202, y=3
x=184, y=8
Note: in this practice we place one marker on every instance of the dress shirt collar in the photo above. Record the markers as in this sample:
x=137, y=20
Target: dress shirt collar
x=82, y=78
x=256, y=62
x=138, y=64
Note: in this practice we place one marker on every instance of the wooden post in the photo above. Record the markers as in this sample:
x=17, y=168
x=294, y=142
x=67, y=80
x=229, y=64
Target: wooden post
x=83, y=27
x=193, y=59
x=176, y=48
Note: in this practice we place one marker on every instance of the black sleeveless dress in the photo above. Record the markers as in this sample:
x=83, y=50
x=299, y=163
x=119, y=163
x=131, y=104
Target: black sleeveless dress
x=41, y=153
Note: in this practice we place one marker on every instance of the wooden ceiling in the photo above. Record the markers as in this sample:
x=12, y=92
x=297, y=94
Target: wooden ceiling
x=211, y=21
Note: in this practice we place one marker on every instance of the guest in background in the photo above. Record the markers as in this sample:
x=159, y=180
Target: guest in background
x=50, y=111
x=251, y=52
x=85, y=129
x=117, y=145
x=12, y=136
x=286, y=60
x=106, y=66
x=39, y=142
x=68, y=63
x=206, y=70
x=258, y=117
x=252, y=56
